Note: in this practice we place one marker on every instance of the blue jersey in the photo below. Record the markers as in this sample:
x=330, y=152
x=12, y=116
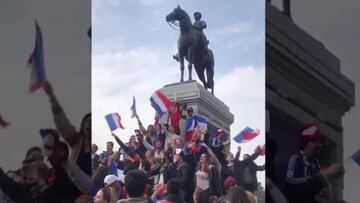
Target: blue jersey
x=300, y=169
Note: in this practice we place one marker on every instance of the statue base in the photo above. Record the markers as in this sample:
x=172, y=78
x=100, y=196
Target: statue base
x=205, y=104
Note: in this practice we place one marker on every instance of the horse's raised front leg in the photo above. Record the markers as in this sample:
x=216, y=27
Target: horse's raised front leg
x=190, y=62
x=182, y=67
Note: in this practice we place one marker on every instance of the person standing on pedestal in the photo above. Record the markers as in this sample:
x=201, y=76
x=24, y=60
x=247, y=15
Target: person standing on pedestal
x=218, y=145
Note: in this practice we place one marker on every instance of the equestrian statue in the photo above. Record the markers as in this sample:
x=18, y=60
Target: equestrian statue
x=192, y=45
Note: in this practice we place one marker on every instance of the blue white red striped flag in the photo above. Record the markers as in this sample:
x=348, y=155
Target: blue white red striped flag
x=160, y=103
x=3, y=123
x=189, y=129
x=133, y=108
x=246, y=135
x=36, y=62
x=114, y=121
x=201, y=123
x=356, y=157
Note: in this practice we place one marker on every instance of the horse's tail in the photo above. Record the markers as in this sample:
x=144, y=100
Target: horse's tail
x=210, y=69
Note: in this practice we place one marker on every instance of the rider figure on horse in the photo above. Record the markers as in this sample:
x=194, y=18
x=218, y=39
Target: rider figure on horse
x=199, y=25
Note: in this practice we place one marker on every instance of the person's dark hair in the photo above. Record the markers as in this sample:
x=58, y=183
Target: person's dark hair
x=135, y=183
x=199, y=196
x=110, y=142
x=146, y=164
x=99, y=175
x=32, y=149
x=106, y=194
x=173, y=186
x=82, y=131
x=168, y=156
x=237, y=194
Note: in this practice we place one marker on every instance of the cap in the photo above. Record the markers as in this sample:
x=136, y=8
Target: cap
x=110, y=179
x=219, y=131
x=229, y=182
x=311, y=132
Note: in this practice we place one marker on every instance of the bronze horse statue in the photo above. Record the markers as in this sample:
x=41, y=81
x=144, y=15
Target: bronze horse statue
x=191, y=47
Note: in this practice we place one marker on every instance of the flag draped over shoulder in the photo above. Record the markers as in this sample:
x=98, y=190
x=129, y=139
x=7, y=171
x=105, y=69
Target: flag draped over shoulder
x=246, y=135
x=3, y=123
x=133, y=108
x=36, y=62
x=114, y=121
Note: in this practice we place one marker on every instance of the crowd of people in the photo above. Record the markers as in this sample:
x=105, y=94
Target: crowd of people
x=157, y=164
x=300, y=178
x=59, y=170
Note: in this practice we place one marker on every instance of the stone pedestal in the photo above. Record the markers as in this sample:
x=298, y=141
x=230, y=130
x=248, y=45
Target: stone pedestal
x=204, y=103
x=304, y=85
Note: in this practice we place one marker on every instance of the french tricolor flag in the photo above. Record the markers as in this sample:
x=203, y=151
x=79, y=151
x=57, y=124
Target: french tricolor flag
x=201, y=122
x=160, y=103
x=36, y=62
x=114, y=121
x=246, y=135
x=133, y=108
x=189, y=129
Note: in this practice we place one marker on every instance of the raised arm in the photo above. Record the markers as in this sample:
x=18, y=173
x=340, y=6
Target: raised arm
x=213, y=158
x=141, y=126
x=122, y=145
x=147, y=145
x=62, y=123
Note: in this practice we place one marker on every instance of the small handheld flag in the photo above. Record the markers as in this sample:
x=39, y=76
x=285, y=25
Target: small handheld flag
x=246, y=135
x=133, y=109
x=3, y=123
x=160, y=103
x=114, y=121
x=36, y=62
x=201, y=122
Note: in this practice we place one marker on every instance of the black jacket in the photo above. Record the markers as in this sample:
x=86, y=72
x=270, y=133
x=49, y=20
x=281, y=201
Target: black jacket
x=239, y=166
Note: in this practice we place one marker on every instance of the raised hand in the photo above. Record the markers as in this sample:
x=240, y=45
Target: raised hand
x=333, y=171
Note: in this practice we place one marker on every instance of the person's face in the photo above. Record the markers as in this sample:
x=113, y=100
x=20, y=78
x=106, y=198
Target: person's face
x=190, y=113
x=202, y=158
x=157, y=128
x=221, y=135
x=148, y=154
x=245, y=156
x=177, y=158
x=31, y=175
x=132, y=143
x=99, y=197
x=116, y=155
x=230, y=157
x=158, y=145
x=178, y=143
x=150, y=128
x=93, y=148
x=171, y=129
x=315, y=148
x=109, y=147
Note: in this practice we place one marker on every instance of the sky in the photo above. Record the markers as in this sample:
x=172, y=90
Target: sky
x=336, y=25
x=132, y=50
x=64, y=27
